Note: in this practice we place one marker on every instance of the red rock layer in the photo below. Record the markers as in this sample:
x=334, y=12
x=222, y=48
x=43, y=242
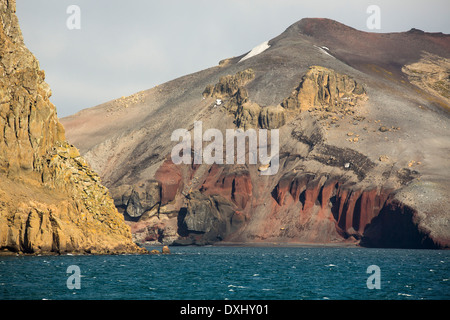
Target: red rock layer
x=234, y=186
x=351, y=208
x=169, y=178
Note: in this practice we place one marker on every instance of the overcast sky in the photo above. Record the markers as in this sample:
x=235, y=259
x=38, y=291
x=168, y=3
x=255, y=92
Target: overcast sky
x=124, y=47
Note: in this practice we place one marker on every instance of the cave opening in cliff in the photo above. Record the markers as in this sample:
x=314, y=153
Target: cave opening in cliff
x=181, y=224
x=395, y=227
x=302, y=198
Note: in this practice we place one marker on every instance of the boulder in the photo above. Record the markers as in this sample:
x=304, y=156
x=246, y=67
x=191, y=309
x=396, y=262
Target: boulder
x=165, y=250
x=208, y=217
x=143, y=198
x=272, y=117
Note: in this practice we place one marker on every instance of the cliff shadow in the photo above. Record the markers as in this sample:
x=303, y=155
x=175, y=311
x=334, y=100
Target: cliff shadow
x=394, y=227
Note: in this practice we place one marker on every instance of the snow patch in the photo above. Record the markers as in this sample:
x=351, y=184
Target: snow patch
x=324, y=50
x=256, y=50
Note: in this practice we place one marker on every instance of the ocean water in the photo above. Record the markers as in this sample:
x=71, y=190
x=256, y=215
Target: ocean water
x=231, y=273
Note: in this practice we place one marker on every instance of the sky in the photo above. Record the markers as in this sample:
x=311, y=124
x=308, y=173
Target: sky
x=122, y=47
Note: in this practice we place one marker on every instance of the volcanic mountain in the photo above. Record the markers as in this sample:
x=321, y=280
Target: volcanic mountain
x=364, y=142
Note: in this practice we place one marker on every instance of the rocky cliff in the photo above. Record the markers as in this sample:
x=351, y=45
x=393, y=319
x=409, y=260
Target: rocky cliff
x=363, y=144
x=50, y=199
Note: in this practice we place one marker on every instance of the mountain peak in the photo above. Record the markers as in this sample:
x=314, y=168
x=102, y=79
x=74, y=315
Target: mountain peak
x=316, y=26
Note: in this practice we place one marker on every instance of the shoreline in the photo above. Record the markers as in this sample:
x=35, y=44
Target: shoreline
x=259, y=244
x=148, y=246
x=286, y=244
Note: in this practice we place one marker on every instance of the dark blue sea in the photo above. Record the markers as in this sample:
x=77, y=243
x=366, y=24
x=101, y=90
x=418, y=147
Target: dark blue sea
x=231, y=273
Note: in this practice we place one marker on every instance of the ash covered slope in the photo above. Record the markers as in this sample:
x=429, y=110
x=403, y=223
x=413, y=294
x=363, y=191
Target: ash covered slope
x=364, y=143
x=50, y=199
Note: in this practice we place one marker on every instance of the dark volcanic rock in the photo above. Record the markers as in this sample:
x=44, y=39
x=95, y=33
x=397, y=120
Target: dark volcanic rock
x=142, y=199
x=207, y=218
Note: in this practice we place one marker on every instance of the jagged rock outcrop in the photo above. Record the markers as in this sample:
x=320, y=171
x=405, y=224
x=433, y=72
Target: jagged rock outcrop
x=205, y=220
x=326, y=89
x=50, y=199
x=248, y=115
x=142, y=198
x=231, y=89
x=228, y=86
x=320, y=89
